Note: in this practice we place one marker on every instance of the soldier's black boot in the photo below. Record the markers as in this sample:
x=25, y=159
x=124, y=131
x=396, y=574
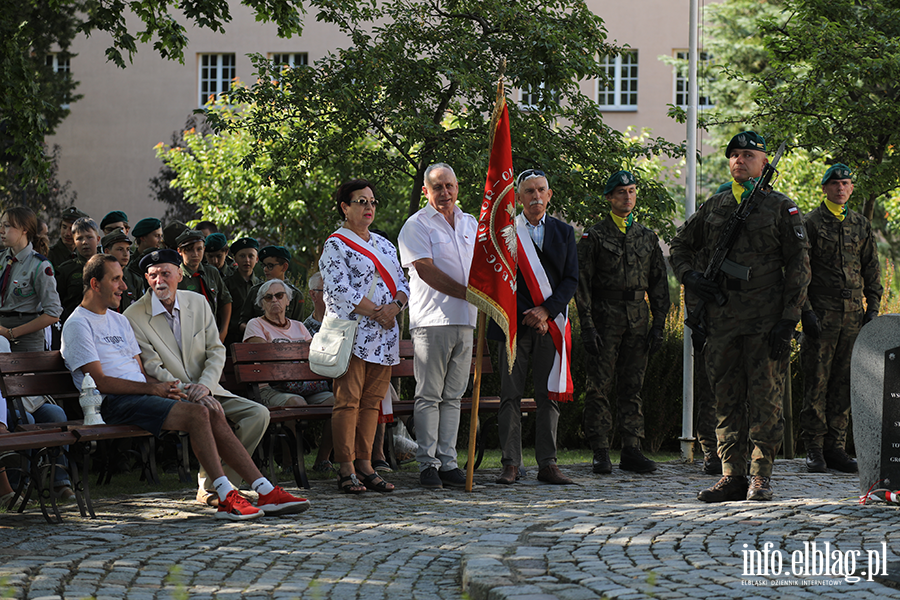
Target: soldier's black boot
x=601, y=465
x=815, y=462
x=730, y=487
x=633, y=460
x=838, y=459
x=712, y=464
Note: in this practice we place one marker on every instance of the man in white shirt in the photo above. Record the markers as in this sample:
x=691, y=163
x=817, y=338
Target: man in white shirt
x=100, y=342
x=437, y=244
x=177, y=333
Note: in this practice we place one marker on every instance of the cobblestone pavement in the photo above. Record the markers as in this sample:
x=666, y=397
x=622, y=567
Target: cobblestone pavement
x=619, y=536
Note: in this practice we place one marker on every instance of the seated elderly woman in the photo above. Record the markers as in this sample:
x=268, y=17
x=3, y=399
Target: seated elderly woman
x=273, y=298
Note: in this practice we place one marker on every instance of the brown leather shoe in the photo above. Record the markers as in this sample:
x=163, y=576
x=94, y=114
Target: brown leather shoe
x=509, y=475
x=552, y=474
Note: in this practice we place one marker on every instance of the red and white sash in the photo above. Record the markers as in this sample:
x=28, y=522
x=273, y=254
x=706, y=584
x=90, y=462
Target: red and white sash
x=559, y=385
x=372, y=253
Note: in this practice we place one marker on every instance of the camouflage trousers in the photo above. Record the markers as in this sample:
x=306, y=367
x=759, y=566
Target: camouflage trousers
x=704, y=406
x=624, y=356
x=749, y=387
x=826, y=379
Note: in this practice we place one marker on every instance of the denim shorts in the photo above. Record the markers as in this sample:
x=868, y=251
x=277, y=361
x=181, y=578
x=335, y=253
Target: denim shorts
x=146, y=412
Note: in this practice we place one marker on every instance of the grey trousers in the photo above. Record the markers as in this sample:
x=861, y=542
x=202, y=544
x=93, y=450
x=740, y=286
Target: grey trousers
x=443, y=356
x=539, y=349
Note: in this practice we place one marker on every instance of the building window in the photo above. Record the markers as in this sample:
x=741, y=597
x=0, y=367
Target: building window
x=216, y=74
x=294, y=59
x=60, y=64
x=682, y=85
x=622, y=90
x=530, y=97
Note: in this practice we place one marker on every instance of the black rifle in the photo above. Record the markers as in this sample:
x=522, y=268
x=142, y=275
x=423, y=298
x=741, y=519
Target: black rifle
x=719, y=265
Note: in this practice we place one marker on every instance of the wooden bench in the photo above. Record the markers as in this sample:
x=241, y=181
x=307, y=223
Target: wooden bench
x=256, y=364
x=45, y=373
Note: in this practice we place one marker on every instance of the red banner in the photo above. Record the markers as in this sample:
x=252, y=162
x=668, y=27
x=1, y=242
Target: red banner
x=492, y=279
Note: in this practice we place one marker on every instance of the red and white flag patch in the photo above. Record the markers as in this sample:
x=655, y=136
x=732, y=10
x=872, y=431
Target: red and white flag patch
x=793, y=210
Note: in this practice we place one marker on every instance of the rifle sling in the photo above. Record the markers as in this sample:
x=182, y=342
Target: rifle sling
x=736, y=285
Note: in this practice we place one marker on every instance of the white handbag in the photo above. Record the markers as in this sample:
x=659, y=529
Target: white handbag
x=331, y=347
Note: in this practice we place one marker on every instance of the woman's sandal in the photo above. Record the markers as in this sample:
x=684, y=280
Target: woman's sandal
x=354, y=487
x=380, y=486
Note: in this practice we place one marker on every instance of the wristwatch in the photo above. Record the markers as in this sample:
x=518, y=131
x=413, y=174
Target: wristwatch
x=400, y=305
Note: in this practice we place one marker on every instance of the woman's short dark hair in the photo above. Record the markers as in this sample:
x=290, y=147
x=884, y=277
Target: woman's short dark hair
x=342, y=195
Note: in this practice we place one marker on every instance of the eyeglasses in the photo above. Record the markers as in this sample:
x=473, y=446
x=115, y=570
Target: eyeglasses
x=365, y=202
x=275, y=296
x=528, y=174
x=270, y=265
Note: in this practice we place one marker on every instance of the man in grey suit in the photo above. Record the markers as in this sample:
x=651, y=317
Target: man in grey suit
x=179, y=340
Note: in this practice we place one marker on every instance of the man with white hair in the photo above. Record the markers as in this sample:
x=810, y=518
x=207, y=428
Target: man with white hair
x=436, y=245
x=179, y=340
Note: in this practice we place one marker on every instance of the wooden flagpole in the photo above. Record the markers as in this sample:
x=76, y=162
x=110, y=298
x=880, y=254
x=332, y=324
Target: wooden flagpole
x=476, y=396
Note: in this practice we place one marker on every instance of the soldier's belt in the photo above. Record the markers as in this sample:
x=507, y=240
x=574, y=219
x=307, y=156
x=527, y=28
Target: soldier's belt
x=846, y=294
x=621, y=296
x=736, y=285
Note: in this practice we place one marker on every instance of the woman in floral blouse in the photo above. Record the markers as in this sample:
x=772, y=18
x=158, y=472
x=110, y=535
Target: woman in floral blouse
x=362, y=281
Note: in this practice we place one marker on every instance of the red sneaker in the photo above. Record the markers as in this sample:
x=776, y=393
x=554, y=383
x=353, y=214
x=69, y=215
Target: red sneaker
x=279, y=502
x=236, y=508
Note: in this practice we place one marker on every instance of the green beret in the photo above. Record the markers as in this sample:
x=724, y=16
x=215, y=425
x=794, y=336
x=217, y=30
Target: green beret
x=171, y=233
x=243, y=244
x=749, y=140
x=837, y=171
x=159, y=257
x=115, y=237
x=72, y=214
x=619, y=178
x=275, y=252
x=145, y=226
x=189, y=236
x=215, y=242
x=114, y=217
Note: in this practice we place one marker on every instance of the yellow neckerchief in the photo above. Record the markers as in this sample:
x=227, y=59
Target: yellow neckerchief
x=622, y=223
x=838, y=210
x=740, y=191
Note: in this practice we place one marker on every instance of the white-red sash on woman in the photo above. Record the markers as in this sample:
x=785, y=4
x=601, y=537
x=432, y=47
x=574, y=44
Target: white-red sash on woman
x=559, y=385
x=360, y=245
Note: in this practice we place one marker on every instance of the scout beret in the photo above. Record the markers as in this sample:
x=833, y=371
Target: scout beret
x=275, y=252
x=837, y=171
x=159, y=257
x=189, y=236
x=215, y=242
x=113, y=217
x=72, y=214
x=115, y=237
x=243, y=244
x=145, y=226
x=171, y=233
x=619, y=178
x=746, y=140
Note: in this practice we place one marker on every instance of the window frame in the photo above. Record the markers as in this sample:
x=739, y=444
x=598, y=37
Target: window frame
x=703, y=59
x=52, y=60
x=615, y=64
x=225, y=74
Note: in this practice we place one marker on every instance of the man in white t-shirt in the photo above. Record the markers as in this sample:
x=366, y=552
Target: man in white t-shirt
x=101, y=343
x=437, y=244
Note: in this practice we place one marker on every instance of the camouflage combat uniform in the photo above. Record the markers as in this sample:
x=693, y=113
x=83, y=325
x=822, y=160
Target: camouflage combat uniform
x=238, y=287
x=136, y=284
x=748, y=385
x=616, y=271
x=207, y=282
x=844, y=262
x=137, y=276
x=59, y=253
x=69, y=285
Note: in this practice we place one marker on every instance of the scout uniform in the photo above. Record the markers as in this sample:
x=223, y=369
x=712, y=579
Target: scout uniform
x=206, y=280
x=27, y=290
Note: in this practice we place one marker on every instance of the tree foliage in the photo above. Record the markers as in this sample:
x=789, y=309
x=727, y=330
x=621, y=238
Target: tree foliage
x=416, y=83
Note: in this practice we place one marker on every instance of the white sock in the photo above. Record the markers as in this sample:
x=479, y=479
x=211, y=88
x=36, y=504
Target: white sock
x=223, y=486
x=262, y=486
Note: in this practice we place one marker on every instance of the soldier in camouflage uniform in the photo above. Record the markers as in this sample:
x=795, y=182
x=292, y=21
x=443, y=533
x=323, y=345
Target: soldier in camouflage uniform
x=64, y=248
x=748, y=345
x=620, y=262
x=86, y=236
x=246, y=254
x=844, y=262
x=147, y=235
x=203, y=279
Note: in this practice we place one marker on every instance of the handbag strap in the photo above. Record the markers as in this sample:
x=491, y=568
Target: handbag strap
x=385, y=274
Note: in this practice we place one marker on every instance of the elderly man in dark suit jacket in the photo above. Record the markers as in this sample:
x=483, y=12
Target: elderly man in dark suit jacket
x=546, y=281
